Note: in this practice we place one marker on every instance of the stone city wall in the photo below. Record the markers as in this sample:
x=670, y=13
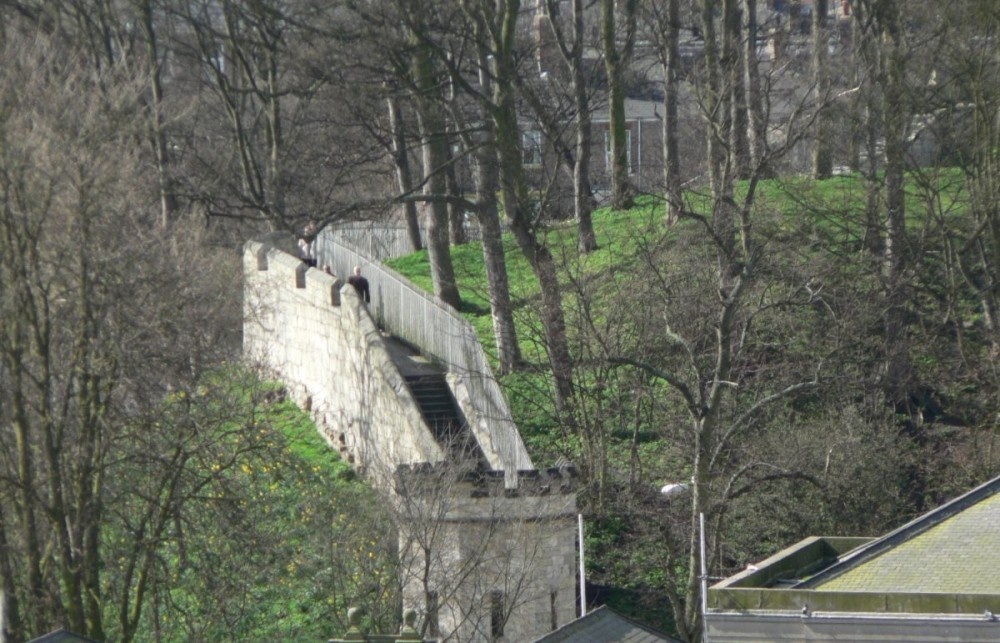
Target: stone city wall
x=311, y=332
x=484, y=550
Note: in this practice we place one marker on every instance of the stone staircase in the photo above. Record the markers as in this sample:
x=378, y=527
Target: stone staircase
x=440, y=411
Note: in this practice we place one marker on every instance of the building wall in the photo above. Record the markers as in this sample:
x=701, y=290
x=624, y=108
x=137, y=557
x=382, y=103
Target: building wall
x=928, y=628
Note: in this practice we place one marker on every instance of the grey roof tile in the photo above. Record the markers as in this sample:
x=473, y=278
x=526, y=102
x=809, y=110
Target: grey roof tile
x=604, y=625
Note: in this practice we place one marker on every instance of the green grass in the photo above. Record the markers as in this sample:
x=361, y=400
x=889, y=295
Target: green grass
x=619, y=235
x=805, y=216
x=304, y=441
x=282, y=536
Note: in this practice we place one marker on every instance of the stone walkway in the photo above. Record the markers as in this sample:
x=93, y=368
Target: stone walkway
x=408, y=360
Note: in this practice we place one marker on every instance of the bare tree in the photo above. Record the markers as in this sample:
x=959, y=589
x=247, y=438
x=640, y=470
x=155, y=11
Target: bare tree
x=885, y=50
x=664, y=21
x=76, y=260
x=734, y=50
x=487, y=182
x=57, y=379
x=975, y=64
x=494, y=28
x=822, y=160
x=123, y=448
x=755, y=92
x=401, y=160
x=617, y=45
x=241, y=48
x=268, y=136
x=571, y=41
x=691, y=368
x=703, y=363
x=425, y=78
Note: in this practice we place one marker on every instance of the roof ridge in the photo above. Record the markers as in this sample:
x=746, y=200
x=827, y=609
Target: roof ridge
x=902, y=534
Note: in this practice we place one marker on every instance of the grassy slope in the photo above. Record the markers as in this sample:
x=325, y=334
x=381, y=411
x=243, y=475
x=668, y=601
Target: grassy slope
x=619, y=235
x=324, y=493
x=317, y=543
x=816, y=217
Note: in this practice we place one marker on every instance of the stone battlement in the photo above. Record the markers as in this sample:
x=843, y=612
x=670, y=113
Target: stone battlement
x=420, y=478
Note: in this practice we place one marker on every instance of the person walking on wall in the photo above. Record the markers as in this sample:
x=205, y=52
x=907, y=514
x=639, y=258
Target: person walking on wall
x=306, y=252
x=307, y=244
x=360, y=284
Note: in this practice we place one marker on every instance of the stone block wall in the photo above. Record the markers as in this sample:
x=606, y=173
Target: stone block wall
x=313, y=334
x=514, y=551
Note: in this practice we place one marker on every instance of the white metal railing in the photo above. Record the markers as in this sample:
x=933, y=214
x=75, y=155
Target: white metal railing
x=381, y=241
x=378, y=241
x=409, y=313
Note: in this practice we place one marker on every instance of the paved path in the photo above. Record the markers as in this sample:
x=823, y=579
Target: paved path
x=408, y=360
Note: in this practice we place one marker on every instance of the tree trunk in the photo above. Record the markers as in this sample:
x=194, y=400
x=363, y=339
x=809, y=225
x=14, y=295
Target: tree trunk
x=168, y=200
x=36, y=592
x=276, y=141
x=583, y=197
x=719, y=164
x=576, y=162
x=671, y=154
x=504, y=333
x=516, y=204
x=984, y=192
x=895, y=115
x=733, y=52
x=456, y=214
x=874, y=243
x=404, y=181
x=434, y=141
x=822, y=158
x=487, y=183
x=11, y=625
x=616, y=63
x=755, y=103
x=871, y=125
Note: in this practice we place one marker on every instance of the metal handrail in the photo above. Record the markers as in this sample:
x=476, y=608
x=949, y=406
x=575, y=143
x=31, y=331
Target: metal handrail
x=409, y=313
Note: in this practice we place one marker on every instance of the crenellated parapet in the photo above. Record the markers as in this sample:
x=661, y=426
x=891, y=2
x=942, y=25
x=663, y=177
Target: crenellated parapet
x=421, y=478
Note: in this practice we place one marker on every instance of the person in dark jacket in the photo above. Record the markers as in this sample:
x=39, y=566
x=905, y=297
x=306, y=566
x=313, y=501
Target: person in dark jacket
x=360, y=284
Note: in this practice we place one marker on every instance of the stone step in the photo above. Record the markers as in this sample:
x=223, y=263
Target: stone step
x=441, y=413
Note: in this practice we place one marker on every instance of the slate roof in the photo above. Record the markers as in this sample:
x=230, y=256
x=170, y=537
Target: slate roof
x=604, y=625
x=952, y=549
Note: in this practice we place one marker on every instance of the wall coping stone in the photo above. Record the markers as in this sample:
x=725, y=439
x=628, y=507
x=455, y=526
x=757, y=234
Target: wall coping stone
x=426, y=478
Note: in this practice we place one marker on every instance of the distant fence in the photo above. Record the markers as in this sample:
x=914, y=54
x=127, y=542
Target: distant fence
x=376, y=241
x=411, y=314
x=381, y=241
